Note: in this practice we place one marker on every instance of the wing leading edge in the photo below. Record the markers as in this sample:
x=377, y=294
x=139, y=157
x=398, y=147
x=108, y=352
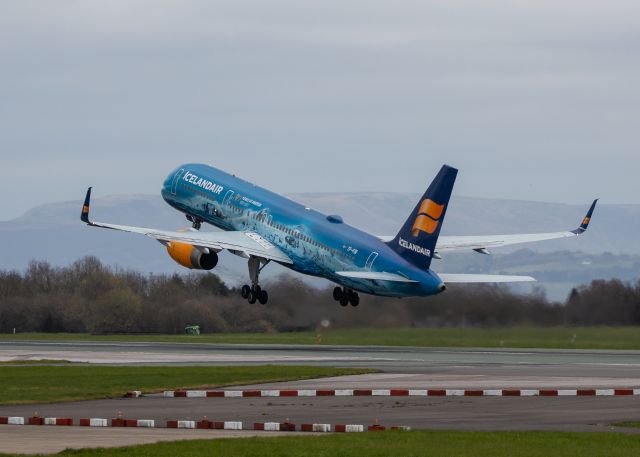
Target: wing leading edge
x=243, y=243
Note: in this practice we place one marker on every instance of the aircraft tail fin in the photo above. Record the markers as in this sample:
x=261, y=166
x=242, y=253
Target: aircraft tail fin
x=416, y=240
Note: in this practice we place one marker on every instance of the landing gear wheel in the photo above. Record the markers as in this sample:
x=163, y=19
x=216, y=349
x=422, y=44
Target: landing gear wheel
x=345, y=296
x=337, y=293
x=245, y=291
x=255, y=293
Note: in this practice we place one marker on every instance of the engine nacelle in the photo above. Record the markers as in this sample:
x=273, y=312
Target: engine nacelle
x=191, y=257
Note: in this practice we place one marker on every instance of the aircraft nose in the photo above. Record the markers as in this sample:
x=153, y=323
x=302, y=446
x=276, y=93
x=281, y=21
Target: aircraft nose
x=167, y=185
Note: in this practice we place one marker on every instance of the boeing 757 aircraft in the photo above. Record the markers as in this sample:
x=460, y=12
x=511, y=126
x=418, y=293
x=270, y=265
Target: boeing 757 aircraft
x=262, y=227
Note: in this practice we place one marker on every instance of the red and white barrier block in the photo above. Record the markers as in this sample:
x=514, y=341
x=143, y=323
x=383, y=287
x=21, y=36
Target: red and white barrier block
x=321, y=428
x=38, y=420
x=94, y=422
x=58, y=421
x=144, y=423
x=202, y=424
x=318, y=428
x=350, y=428
x=275, y=426
x=400, y=393
x=4, y=420
x=227, y=425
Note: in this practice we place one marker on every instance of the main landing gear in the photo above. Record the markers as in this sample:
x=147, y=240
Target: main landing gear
x=345, y=296
x=254, y=292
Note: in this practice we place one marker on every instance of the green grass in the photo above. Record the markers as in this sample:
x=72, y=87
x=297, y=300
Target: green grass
x=35, y=384
x=34, y=362
x=405, y=444
x=508, y=337
x=631, y=424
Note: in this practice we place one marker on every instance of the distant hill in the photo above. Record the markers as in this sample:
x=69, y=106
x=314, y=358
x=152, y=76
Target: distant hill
x=53, y=232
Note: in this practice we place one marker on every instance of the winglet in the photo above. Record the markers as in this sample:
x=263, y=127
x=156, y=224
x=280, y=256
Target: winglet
x=585, y=222
x=84, y=216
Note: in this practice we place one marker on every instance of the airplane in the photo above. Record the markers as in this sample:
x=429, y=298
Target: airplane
x=265, y=227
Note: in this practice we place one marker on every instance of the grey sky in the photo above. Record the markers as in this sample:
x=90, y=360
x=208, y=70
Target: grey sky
x=533, y=100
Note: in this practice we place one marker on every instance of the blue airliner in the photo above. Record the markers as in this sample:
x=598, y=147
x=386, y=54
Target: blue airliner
x=263, y=226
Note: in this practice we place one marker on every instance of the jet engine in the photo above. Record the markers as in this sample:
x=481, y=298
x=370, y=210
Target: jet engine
x=192, y=257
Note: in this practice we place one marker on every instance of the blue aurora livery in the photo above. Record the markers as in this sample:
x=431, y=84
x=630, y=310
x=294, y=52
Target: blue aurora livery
x=263, y=226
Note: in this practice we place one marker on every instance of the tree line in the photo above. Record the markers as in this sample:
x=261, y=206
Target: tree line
x=88, y=296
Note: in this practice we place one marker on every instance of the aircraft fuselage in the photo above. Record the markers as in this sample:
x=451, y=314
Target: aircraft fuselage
x=318, y=244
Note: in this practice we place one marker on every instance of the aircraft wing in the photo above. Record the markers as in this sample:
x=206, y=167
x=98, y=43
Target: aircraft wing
x=446, y=277
x=482, y=243
x=243, y=243
x=471, y=278
x=374, y=276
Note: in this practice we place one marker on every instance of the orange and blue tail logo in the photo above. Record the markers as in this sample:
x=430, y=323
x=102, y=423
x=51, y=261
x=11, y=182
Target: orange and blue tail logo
x=428, y=217
x=416, y=241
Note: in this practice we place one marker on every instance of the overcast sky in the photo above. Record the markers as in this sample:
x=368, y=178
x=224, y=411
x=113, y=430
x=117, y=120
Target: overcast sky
x=536, y=100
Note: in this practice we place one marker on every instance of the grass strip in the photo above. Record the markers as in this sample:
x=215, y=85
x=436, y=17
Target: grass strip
x=630, y=424
x=417, y=443
x=507, y=337
x=34, y=362
x=36, y=384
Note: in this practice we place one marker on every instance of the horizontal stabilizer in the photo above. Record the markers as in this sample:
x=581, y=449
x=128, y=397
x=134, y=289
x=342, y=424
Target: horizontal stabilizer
x=374, y=276
x=469, y=278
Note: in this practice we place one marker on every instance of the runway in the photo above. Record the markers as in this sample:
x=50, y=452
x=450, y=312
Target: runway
x=402, y=368
x=491, y=362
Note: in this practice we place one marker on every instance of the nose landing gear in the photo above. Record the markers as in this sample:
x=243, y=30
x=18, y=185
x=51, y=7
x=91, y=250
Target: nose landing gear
x=196, y=222
x=345, y=296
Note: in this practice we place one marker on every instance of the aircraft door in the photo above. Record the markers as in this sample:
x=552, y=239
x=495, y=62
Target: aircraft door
x=369, y=263
x=227, y=197
x=176, y=178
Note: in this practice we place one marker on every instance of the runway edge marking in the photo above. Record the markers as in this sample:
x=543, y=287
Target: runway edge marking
x=399, y=392
x=200, y=425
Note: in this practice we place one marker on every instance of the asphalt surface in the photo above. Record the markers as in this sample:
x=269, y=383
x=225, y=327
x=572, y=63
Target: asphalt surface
x=402, y=368
x=522, y=362
x=27, y=440
x=454, y=413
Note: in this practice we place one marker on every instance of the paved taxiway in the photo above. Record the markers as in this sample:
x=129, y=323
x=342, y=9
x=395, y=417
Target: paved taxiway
x=460, y=413
x=27, y=440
